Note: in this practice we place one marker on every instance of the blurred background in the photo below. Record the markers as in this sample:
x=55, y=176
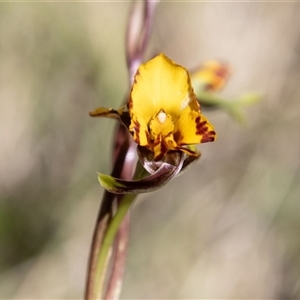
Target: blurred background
x=228, y=228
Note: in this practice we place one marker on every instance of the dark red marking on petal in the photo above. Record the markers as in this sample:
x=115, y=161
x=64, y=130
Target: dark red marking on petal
x=177, y=136
x=130, y=103
x=137, y=73
x=163, y=150
x=201, y=127
x=208, y=137
x=136, y=131
x=136, y=127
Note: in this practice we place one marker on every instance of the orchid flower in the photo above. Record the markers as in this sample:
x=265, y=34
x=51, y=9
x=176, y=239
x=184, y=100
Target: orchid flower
x=164, y=118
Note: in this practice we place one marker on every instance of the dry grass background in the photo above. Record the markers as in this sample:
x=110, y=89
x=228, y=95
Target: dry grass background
x=228, y=228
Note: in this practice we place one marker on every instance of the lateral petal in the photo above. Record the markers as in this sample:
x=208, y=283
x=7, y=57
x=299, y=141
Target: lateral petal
x=193, y=128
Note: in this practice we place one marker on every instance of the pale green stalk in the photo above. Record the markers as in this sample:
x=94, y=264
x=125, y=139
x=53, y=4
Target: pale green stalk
x=110, y=235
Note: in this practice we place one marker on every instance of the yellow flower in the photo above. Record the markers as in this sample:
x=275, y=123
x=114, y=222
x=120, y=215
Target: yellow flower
x=212, y=76
x=163, y=113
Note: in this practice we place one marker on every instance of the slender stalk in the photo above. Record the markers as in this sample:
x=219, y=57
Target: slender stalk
x=104, y=236
x=107, y=243
x=120, y=248
x=138, y=33
x=99, y=232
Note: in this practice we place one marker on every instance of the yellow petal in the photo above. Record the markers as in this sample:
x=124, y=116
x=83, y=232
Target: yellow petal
x=161, y=124
x=193, y=128
x=139, y=131
x=160, y=84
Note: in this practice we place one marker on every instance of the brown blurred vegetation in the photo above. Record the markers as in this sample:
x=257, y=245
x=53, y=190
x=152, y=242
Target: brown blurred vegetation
x=228, y=228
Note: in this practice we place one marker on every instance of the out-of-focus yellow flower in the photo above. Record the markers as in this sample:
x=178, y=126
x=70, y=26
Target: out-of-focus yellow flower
x=163, y=113
x=212, y=76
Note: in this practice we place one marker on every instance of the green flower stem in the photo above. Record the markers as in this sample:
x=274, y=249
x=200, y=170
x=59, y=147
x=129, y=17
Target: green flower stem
x=233, y=107
x=212, y=99
x=114, y=284
x=110, y=235
x=108, y=241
